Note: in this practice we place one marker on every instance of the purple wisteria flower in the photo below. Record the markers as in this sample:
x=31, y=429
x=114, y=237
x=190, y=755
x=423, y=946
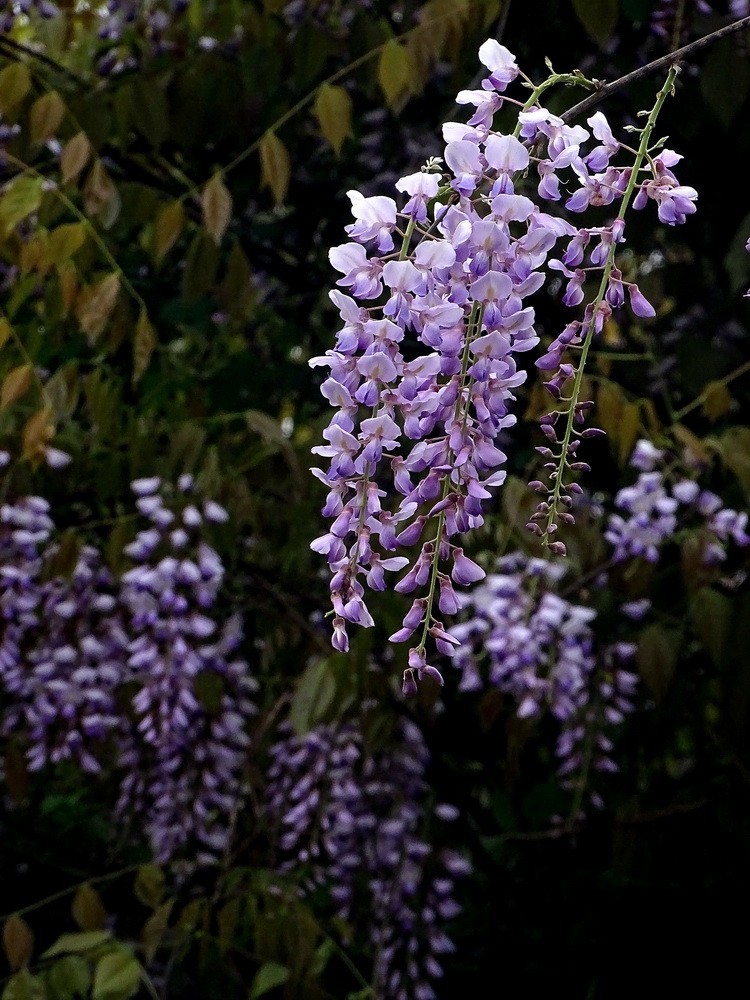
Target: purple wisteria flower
x=661, y=502
x=520, y=637
x=351, y=818
x=185, y=752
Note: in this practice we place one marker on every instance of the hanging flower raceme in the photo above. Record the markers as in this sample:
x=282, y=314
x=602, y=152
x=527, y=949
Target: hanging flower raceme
x=352, y=818
x=185, y=754
x=521, y=637
x=424, y=369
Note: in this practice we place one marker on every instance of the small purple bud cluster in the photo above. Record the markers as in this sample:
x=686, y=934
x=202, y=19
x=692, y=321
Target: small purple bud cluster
x=590, y=253
x=352, y=820
x=140, y=670
x=660, y=502
x=540, y=649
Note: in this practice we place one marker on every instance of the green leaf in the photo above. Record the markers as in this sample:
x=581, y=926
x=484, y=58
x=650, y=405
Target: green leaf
x=116, y=976
x=315, y=694
x=598, y=17
x=24, y=986
x=149, y=885
x=275, y=166
x=394, y=72
x=63, y=242
x=725, y=80
x=216, y=203
x=735, y=451
x=268, y=977
x=69, y=978
x=15, y=83
x=333, y=109
x=22, y=197
x=657, y=658
x=76, y=943
x=711, y=613
x=46, y=116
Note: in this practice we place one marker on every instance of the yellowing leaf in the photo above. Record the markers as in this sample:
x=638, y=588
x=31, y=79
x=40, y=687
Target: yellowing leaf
x=18, y=941
x=77, y=943
x=276, y=167
x=116, y=977
x=19, y=200
x=394, y=72
x=716, y=400
x=46, y=116
x=95, y=304
x=88, y=910
x=37, y=433
x=99, y=193
x=143, y=346
x=216, y=202
x=167, y=228
x=16, y=384
x=333, y=109
x=6, y=331
x=15, y=83
x=74, y=157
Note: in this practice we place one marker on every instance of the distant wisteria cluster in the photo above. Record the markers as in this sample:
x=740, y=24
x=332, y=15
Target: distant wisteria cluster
x=352, y=816
x=660, y=503
x=523, y=638
x=426, y=363
x=139, y=672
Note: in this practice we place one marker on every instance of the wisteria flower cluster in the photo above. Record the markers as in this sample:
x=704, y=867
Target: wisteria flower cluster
x=353, y=819
x=662, y=500
x=521, y=637
x=426, y=364
x=140, y=670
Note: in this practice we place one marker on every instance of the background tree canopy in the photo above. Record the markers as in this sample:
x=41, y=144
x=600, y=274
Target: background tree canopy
x=201, y=797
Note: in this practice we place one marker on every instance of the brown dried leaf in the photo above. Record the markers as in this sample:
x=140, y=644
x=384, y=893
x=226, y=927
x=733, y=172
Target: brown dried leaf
x=216, y=202
x=74, y=157
x=18, y=941
x=94, y=305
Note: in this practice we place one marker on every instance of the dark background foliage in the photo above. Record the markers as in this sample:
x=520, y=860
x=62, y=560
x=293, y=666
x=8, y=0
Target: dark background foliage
x=198, y=363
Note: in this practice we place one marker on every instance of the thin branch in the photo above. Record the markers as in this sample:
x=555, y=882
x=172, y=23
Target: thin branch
x=663, y=62
x=18, y=49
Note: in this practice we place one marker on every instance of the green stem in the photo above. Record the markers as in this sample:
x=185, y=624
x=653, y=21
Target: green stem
x=571, y=411
x=474, y=324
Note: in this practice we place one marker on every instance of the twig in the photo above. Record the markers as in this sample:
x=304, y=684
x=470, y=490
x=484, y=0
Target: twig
x=679, y=55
